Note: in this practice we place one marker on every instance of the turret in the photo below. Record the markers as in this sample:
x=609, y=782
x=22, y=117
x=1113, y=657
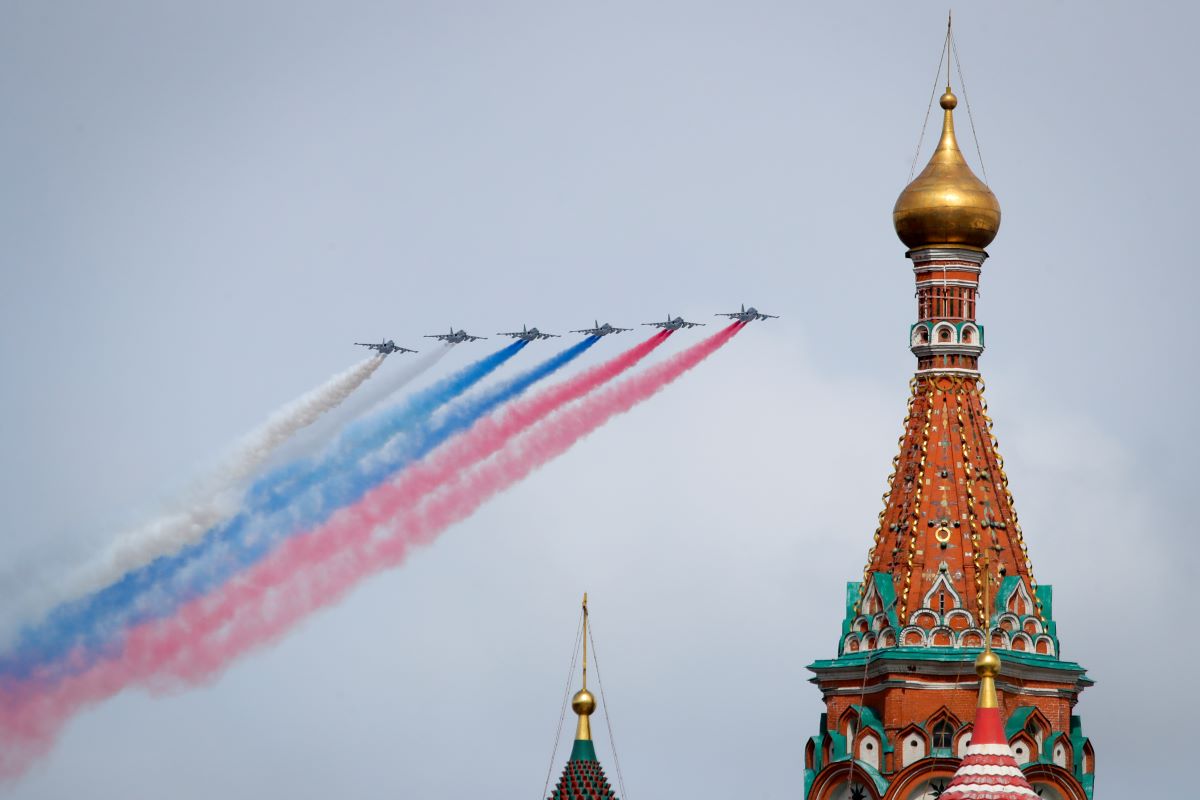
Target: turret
x=897, y=695
x=583, y=778
x=946, y=216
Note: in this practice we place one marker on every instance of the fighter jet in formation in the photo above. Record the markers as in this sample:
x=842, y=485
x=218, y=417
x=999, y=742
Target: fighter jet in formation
x=386, y=347
x=601, y=330
x=529, y=334
x=673, y=324
x=454, y=336
x=747, y=314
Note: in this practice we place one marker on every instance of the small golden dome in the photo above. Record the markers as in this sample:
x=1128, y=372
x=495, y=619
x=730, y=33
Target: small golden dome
x=987, y=664
x=947, y=206
x=583, y=703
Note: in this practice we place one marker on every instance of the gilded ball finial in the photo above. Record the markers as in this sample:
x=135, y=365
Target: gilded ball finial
x=583, y=703
x=987, y=664
x=949, y=101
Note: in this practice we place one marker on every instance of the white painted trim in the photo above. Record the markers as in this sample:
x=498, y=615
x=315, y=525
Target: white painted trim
x=955, y=613
x=944, y=580
x=988, y=790
x=934, y=281
x=989, y=750
x=990, y=769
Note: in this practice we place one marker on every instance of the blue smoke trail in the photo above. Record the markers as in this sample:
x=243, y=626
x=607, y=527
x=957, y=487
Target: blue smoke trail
x=94, y=627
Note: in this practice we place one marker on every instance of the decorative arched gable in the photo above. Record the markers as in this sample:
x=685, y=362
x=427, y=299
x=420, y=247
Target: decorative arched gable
x=941, y=596
x=869, y=749
x=1015, y=598
x=913, y=742
x=1023, y=747
x=1060, y=751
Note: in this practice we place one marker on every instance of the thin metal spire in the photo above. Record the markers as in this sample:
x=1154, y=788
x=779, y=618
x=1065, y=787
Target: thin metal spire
x=949, y=38
x=585, y=640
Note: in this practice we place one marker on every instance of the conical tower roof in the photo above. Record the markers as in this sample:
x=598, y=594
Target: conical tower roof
x=989, y=769
x=583, y=778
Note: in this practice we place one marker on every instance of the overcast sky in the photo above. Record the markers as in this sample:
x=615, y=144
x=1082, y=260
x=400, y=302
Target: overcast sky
x=204, y=204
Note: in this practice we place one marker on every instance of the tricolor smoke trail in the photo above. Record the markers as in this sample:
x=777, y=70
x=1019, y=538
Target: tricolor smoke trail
x=167, y=535
x=212, y=499
x=317, y=568
x=280, y=486
x=98, y=629
x=88, y=625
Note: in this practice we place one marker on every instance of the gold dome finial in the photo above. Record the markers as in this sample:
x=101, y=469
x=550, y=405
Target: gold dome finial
x=584, y=703
x=947, y=206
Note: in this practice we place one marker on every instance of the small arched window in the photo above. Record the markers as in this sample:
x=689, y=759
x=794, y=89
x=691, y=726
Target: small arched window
x=943, y=735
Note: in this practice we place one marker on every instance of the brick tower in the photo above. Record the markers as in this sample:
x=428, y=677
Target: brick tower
x=900, y=696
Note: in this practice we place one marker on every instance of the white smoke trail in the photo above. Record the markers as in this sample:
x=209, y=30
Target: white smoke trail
x=374, y=395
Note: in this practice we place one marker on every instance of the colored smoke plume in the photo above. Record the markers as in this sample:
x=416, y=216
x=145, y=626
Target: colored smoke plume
x=371, y=398
x=211, y=500
x=318, y=568
x=287, y=500
x=167, y=535
x=97, y=632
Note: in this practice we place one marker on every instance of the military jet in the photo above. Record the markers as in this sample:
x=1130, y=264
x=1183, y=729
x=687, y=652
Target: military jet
x=747, y=314
x=386, y=347
x=602, y=330
x=673, y=324
x=454, y=336
x=529, y=334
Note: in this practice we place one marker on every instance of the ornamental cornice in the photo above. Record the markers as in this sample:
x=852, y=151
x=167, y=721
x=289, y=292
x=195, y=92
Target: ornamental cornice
x=952, y=666
x=927, y=254
x=935, y=281
x=1010, y=689
x=938, y=349
x=933, y=371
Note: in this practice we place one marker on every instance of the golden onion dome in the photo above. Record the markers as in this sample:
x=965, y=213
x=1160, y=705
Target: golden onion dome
x=947, y=206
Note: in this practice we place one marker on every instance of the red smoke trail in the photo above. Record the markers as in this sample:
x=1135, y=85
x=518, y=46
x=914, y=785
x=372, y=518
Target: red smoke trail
x=317, y=568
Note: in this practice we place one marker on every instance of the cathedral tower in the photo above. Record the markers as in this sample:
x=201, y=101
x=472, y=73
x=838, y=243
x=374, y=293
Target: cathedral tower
x=900, y=696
